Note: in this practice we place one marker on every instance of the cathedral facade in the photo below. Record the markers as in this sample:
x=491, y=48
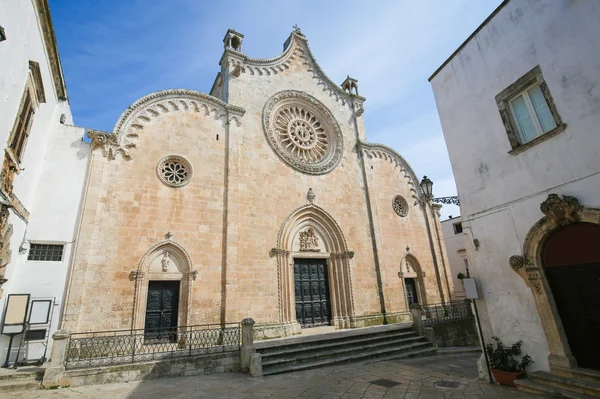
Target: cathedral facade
x=262, y=199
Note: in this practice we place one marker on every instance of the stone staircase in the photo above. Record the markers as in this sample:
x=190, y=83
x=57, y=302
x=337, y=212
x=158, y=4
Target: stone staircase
x=574, y=383
x=342, y=346
x=22, y=379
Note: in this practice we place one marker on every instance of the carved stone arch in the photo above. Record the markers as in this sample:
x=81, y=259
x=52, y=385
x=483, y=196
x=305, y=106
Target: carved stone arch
x=165, y=261
x=331, y=245
x=131, y=123
x=381, y=151
x=558, y=213
x=410, y=267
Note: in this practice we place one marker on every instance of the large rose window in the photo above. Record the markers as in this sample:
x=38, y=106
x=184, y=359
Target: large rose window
x=302, y=132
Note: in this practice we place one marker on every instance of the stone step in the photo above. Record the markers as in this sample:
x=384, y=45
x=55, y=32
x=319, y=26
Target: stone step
x=311, y=356
x=19, y=385
x=567, y=383
x=355, y=333
x=527, y=385
x=17, y=375
x=385, y=354
x=578, y=373
x=339, y=343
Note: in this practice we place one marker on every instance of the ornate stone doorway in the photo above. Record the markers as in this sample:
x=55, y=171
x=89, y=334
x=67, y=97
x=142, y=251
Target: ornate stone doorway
x=558, y=262
x=311, y=288
x=412, y=279
x=571, y=260
x=309, y=232
x=169, y=264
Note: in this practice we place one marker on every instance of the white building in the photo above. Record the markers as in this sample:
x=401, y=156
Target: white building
x=454, y=238
x=43, y=170
x=519, y=103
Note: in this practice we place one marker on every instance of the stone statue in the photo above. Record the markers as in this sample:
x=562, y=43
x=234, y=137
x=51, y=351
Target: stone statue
x=166, y=262
x=309, y=240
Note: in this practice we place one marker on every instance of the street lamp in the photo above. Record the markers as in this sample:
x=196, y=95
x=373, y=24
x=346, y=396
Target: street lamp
x=427, y=187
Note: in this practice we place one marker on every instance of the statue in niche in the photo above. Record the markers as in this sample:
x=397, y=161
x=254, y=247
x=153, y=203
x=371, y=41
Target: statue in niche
x=408, y=268
x=166, y=262
x=309, y=240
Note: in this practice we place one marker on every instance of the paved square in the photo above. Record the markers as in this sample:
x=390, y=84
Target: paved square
x=417, y=378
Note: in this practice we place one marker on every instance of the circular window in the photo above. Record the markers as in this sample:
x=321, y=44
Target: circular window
x=400, y=205
x=174, y=171
x=303, y=132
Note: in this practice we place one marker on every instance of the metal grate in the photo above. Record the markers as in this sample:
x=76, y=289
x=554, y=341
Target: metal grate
x=46, y=252
x=447, y=384
x=386, y=383
x=132, y=346
x=446, y=311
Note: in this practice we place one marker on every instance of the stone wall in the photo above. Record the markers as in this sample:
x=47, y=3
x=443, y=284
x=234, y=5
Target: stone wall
x=456, y=333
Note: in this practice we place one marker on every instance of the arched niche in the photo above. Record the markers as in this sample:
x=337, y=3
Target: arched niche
x=410, y=270
x=165, y=261
x=559, y=212
x=310, y=232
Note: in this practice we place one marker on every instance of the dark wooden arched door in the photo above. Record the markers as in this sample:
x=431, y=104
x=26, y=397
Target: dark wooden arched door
x=571, y=259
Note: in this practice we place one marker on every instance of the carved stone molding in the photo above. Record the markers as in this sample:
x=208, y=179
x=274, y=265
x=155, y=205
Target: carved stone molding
x=278, y=251
x=109, y=144
x=131, y=123
x=516, y=262
x=193, y=275
x=296, y=49
x=303, y=132
x=380, y=151
x=561, y=211
x=136, y=275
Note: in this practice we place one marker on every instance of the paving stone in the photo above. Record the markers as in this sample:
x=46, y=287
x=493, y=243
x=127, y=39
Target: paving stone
x=339, y=382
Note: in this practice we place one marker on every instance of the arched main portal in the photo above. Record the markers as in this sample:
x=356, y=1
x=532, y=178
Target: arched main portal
x=571, y=260
x=163, y=287
x=313, y=265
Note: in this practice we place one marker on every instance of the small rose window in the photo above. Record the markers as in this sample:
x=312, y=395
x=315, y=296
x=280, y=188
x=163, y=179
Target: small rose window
x=400, y=205
x=174, y=171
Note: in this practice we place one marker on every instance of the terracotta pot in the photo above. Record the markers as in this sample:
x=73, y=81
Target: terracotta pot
x=507, y=377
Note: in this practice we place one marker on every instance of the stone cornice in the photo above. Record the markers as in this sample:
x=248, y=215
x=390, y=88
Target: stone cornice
x=131, y=122
x=296, y=48
x=45, y=20
x=384, y=152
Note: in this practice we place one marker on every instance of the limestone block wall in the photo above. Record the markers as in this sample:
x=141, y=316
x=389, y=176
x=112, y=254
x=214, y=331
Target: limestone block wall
x=396, y=233
x=269, y=190
x=128, y=210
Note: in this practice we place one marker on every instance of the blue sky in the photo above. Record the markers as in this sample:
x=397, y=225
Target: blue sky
x=114, y=52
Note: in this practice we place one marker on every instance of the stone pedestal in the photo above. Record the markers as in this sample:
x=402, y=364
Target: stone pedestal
x=247, y=349
x=54, y=375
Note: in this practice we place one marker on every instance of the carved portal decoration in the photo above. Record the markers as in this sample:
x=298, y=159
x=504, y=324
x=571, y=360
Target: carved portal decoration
x=400, y=205
x=174, y=171
x=516, y=262
x=303, y=132
x=309, y=240
x=166, y=262
x=561, y=211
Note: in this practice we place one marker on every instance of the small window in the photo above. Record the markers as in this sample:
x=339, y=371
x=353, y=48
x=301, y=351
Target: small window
x=46, y=252
x=531, y=114
x=528, y=111
x=457, y=228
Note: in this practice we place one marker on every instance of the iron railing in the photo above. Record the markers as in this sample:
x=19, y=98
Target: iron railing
x=440, y=312
x=105, y=348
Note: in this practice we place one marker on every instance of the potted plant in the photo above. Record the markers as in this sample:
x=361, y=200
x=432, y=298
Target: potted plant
x=504, y=362
x=460, y=276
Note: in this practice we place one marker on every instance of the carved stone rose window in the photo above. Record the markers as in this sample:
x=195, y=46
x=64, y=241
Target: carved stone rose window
x=400, y=205
x=174, y=171
x=303, y=132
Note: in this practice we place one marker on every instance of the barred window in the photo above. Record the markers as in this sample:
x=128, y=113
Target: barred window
x=46, y=252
